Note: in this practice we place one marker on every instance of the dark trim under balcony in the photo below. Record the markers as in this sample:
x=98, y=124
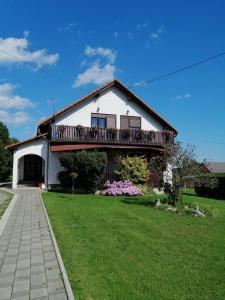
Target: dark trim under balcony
x=94, y=135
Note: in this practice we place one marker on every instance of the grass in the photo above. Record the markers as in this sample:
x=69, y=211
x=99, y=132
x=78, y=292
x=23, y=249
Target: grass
x=113, y=250
x=5, y=203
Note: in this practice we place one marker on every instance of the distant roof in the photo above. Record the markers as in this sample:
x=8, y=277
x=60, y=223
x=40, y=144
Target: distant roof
x=37, y=137
x=96, y=92
x=215, y=167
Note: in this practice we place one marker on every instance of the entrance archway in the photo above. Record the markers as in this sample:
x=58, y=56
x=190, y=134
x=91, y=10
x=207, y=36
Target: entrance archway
x=31, y=169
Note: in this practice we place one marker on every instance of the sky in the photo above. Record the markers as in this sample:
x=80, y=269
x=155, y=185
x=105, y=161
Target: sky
x=87, y=43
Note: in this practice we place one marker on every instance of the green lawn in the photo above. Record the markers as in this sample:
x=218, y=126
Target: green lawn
x=5, y=199
x=113, y=250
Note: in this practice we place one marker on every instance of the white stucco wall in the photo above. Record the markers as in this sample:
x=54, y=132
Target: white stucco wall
x=54, y=167
x=38, y=147
x=112, y=101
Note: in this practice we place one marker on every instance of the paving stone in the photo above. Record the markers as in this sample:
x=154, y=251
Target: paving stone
x=38, y=279
x=21, y=285
x=40, y=292
x=38, y=269
x=22, y=273
x=5, y=292
x=57, y=297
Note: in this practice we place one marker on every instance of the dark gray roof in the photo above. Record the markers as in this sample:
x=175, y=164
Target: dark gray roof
x=215, y=167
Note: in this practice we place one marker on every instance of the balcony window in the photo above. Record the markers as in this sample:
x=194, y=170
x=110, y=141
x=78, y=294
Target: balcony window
x=103, y=120
x=130, y=122
x=99, y=122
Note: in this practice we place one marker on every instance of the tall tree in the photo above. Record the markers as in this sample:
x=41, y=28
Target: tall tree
x=5, y=155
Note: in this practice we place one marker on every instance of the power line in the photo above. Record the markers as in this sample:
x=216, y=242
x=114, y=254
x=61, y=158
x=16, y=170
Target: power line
x=143, y=82
x=137, y=84
x=39, y=69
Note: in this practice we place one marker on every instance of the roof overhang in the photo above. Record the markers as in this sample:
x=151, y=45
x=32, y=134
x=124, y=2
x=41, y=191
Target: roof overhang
x=15, y=145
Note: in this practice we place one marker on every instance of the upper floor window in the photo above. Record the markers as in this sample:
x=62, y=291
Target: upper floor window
x=103, y=120
x=130, y=122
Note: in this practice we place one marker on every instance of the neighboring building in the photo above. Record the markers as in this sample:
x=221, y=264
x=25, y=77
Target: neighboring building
x=213, y=167
x=110, y=118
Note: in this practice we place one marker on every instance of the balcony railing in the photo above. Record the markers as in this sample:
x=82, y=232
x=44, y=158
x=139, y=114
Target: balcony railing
x=79, y=134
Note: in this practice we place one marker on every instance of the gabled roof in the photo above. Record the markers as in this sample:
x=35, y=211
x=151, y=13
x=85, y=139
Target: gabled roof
x=215, y=167
x=95, y=93
x=37, y=137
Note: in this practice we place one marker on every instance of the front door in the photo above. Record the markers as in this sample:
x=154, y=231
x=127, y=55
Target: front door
x=32, y=168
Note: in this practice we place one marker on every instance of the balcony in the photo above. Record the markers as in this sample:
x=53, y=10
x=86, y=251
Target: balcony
x=93, y=135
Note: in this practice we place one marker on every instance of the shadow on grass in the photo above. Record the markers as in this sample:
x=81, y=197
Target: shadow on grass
x=140, y=200
x=190, y=194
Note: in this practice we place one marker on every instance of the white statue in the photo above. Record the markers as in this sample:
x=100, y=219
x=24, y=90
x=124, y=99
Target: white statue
x=168, y=175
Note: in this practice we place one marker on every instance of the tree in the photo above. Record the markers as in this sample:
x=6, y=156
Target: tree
x=183, y=162
x=89, y=167
x=4, y=134
x=5, y=155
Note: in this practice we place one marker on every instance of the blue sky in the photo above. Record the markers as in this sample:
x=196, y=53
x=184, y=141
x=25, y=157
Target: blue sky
x=88, y=42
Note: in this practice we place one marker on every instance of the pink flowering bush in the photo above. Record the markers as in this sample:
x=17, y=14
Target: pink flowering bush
x=121, y=188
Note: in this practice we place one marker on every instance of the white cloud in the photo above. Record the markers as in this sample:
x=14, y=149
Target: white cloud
x=181, y=97
x=157, y=34
x=15, y=50
x=102, y=52
x=14, y=118
x=141, y=26
x=8, y=100
x=98, y=72
x=70, y=26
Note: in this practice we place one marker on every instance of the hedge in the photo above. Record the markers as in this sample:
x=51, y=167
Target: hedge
x=211, y=185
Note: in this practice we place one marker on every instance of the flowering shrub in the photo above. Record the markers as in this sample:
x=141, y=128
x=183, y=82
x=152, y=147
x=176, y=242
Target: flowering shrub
x=132, y=168
x=121, y=188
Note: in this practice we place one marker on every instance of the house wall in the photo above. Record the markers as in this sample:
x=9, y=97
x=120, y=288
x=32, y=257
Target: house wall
x=54, y=167
x=38, y=147
x=112, y=101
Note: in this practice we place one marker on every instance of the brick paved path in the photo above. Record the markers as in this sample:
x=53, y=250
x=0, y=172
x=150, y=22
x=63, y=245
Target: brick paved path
x=28, y=264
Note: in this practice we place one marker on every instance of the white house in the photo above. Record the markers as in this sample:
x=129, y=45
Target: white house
x=111, y=118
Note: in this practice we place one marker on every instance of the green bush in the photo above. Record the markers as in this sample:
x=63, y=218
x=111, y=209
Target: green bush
x=210, y=185
x=65, y=179
x=134, y=169
x=89, y=166
x=146, y=189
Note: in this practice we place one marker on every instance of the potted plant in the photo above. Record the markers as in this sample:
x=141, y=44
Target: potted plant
x=94, y=130
x=167, y=134
x=139, y=134
x=151, y=135
x=79, y=129
x=126, y=133
x=111, y=133
x=62, y=130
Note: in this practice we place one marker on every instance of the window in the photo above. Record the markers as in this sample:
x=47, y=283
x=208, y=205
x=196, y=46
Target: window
x=99, y=122
x=103, y=120
x=130, y=122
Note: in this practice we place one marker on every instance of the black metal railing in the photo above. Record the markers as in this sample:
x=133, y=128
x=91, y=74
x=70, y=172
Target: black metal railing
x=80, y=134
